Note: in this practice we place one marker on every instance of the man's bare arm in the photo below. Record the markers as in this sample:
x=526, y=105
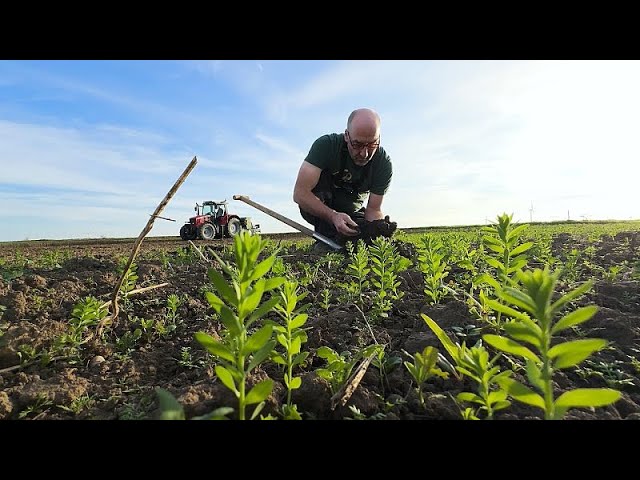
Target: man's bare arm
x=374, y=208
x=308, y=177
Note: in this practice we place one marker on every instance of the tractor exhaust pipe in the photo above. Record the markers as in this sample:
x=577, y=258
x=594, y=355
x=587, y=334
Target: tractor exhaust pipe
x=291, y=223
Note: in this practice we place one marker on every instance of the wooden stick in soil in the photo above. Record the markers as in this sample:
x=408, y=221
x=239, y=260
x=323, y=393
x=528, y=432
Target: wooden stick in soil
x=199, y=252
x=136, y=247
x=344, y=394
x=139, y=290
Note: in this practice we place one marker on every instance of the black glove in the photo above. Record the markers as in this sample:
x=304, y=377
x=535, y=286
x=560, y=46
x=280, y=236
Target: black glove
x=381, y=228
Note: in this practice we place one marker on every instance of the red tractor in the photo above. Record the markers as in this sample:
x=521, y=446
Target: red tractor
x=212, y=220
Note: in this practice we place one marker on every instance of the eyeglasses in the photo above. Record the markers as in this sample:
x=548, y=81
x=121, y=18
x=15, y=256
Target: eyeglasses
x=359, y=145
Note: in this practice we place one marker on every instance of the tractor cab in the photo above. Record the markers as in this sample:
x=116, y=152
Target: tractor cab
x=213, y=209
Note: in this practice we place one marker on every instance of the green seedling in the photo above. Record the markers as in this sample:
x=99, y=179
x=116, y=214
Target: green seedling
x=610, y=372
x=340, y=365
x=238, y=302
x=507, y=257
x=474, y=363
x=41, y=405
x=385, y=364
x=433, y=267
x=423, y=368
x=325, y=301
x=173, y=302
x=78, y=404
x=358, y=269
x=186, y=359
x=87, y=313
x=291, y=336
x=386, y=263
x=537, y=327
x=130, y=278
x=127, y=342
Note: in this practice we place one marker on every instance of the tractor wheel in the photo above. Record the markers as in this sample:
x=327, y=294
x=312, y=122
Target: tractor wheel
x=234, y=227
x=208, y=231
x=185, y=232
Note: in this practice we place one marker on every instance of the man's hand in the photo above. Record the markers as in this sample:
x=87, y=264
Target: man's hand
x=345, y=225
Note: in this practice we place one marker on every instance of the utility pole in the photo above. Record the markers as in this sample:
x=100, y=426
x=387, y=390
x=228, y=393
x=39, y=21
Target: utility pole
x=568, y=217
x=531, y=213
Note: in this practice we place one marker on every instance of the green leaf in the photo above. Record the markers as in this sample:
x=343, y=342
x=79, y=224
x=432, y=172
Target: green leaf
x=218, y=414
x=570, y=296
x=259, y=392
x=228, y=293
x=449, y=346
x=489, y=240
x=169, y=406
x=518, y=298
x=534, y=375
x=226, y=378
x=516, y=232
x=324, y=373
x=524, y=333
x=469, y=397
x=521, y=393
x=495, y=263
x=496, y=248
x=509, y=346
x=299, y=321
x=279, y=359
x=262, y=268
x=283, y=340
x=501, y=405
x=522, y=248
x=571, y=353
x=298, y=359
x=296, y=343
x=327, y=353
x=251, y=301
x=588, y=397
x=501, y=307
x=516, y=265
x=574, y=318
x=262, y=310
x=497, y=396
x=257, y=410
x=214, y=301
x=488, y=279
x=273, y=283
x=256, y=341
x=412, y=370
x=230, y=321
x=260, y=355
x=295, y=383
x=214, y=347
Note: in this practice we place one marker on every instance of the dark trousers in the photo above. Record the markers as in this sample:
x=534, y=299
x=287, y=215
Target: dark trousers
x=325, y=191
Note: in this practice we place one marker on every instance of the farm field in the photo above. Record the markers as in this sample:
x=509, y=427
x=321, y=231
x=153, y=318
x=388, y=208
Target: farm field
x=374, y=333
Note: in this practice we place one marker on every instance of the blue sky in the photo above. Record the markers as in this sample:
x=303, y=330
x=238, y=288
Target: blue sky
x=89, y=148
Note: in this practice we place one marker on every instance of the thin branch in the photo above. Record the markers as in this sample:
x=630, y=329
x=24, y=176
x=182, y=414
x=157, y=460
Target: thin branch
x=27, y=364
x=367, y=322
x=199, y=252
x=163, y=218
x=344, y=394
x=139, y=290
x=136, y=246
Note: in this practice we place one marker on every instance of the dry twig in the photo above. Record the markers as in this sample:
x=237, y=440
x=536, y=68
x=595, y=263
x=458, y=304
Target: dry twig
x=344, y=394
x=136, y=247
x=199, y=252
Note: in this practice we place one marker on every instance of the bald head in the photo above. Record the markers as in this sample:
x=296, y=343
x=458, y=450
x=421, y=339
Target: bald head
x=364, y=122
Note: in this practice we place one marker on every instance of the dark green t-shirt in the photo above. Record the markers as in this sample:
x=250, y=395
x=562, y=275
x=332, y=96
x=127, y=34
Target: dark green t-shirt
x=352, y=183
